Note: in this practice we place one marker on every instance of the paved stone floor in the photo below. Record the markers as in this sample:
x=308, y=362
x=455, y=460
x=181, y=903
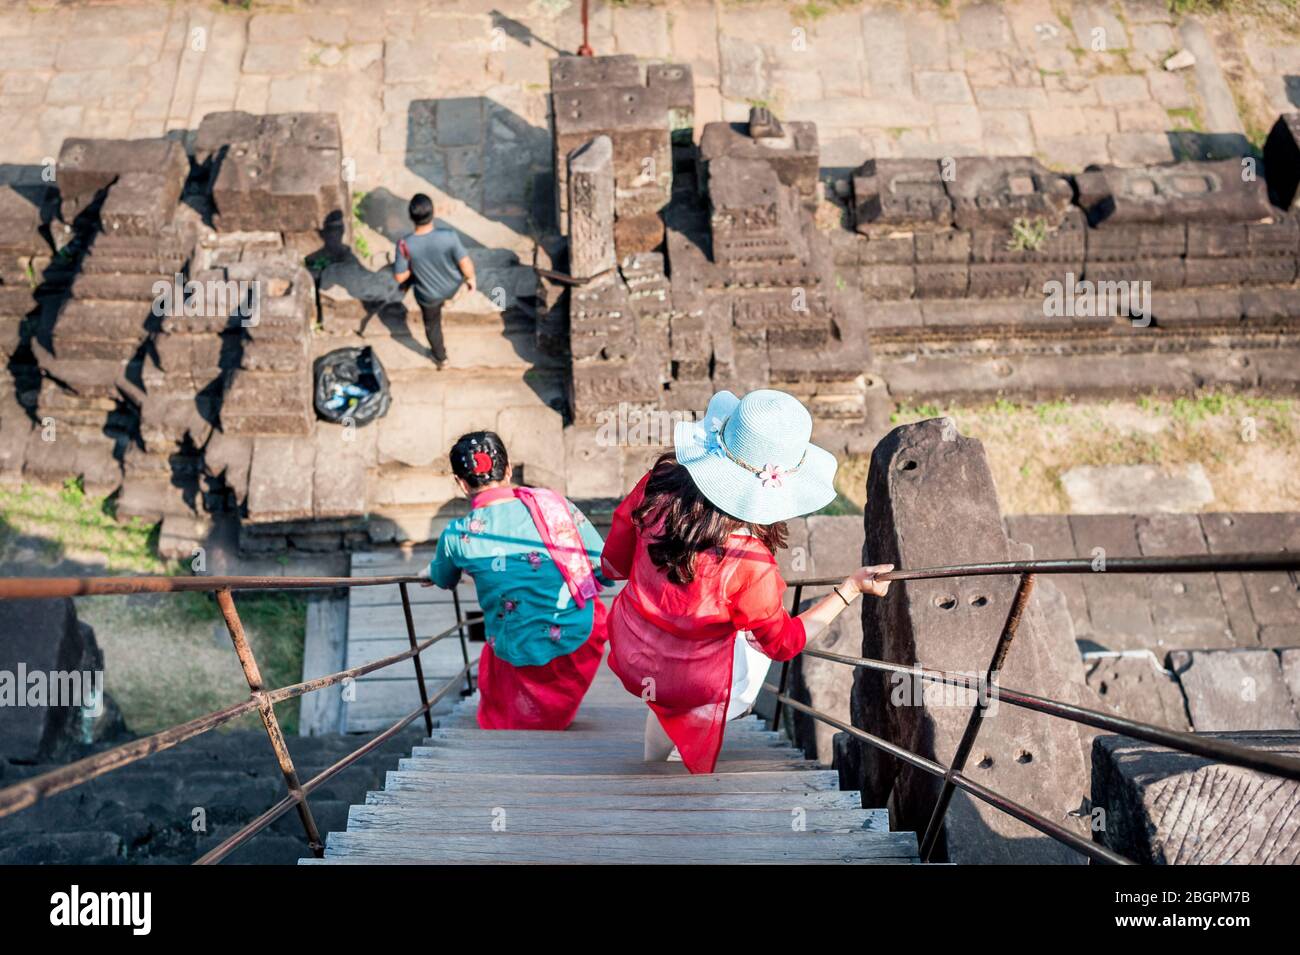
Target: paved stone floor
x=1070, y=82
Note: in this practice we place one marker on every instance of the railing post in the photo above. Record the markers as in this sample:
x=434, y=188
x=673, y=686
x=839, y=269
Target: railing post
x=785, y=664
x=1014, y=615
x=419, y=667
x=267, y=711
x=464, y=641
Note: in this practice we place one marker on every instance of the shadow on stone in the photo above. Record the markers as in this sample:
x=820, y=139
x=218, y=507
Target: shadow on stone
x=482, y=154
x=1187, y=145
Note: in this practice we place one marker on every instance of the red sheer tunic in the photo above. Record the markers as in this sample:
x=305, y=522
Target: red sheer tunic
x=672, y=644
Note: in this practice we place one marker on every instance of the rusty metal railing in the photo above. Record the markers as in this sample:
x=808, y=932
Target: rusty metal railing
x=988, y=690
x=30, y=791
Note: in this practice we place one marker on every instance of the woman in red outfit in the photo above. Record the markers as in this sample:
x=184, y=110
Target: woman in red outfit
x=696, y=541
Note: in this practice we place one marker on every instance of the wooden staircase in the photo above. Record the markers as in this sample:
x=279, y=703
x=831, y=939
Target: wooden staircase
x=586, y=796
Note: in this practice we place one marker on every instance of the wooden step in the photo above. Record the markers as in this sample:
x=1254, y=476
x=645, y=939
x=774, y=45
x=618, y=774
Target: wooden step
x=421, y=778
x=600, y=802
x=655, y=849
x=582, y=767
x=556, y=821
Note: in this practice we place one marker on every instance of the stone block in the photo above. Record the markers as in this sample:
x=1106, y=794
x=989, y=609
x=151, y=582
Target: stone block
x=1137, y=241
x=23, y=210
x=753, y=217
x=896, y=194
x=1234, y=690
x=142, y=203
x=1065, y=244
x=89, y=166
x=277, y=490
x=1138, y=688
x=927, y=494
x=887, y=281
x=285, y=174
x=343, y=459
x=634, y=234
x=591, y=208
x=600, y=386
x=678, y=85
x=583, y=72
x=997, y=192
x=945, y=280
x=635, y=118
x=1213, y=240
x=1180, y=192
x=45, y=637
x=794, y=156
x=1224, y=814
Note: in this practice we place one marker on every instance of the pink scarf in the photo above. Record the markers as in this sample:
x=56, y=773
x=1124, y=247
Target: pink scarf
x=550, y=514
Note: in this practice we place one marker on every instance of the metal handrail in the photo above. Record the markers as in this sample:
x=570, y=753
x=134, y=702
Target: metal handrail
x=30, y=791
x=953, y=775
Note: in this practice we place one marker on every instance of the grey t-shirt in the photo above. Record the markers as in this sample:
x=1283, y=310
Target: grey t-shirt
x=431, y=258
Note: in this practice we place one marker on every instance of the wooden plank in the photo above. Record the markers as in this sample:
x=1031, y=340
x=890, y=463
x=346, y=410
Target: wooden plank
x=324, y=652
x=402, y=861
x=610, y=760
x=443, y=658
x=366, y=597
x=759, y=781
x=635, y=767
x=624, y=849
x=588, y=802
x=375, y=563
x=388, y=621
x=555, y=821
x=572, y=737
x=593, y=743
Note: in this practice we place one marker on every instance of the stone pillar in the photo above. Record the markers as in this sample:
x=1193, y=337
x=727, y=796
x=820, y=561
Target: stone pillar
x=591, y=208
x=931, y=502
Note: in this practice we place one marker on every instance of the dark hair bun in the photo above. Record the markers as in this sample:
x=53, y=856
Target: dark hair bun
x=479, y=458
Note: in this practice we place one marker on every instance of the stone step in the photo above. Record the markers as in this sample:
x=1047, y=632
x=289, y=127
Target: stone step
x=981, y=375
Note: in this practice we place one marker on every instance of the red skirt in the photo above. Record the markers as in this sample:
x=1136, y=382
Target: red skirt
x=543, y=697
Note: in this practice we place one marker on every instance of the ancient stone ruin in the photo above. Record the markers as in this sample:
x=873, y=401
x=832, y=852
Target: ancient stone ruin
x=911, y=279
x=677, y=269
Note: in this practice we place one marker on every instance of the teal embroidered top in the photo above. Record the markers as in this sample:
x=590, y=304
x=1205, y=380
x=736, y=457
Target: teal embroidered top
x=528, y=613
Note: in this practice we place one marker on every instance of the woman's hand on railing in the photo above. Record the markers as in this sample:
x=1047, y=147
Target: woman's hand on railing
x=864, y=581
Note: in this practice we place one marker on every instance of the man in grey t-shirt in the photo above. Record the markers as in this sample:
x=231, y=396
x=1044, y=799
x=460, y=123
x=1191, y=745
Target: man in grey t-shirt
x=438, y=263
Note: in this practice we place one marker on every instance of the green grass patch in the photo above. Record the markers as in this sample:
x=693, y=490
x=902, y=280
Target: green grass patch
x=168, y=658
x=70, y=523
x=1187, y=117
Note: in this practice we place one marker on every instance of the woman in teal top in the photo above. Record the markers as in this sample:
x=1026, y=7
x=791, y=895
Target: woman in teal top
x=532, y=555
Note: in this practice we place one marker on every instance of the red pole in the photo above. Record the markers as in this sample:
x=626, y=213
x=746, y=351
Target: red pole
x=585, y=49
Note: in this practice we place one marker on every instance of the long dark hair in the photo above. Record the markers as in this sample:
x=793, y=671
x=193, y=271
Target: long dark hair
x=683, y=523
x=479, y=458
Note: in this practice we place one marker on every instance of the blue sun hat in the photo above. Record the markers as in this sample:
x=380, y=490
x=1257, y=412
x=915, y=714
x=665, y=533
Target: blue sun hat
x=752, y=459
